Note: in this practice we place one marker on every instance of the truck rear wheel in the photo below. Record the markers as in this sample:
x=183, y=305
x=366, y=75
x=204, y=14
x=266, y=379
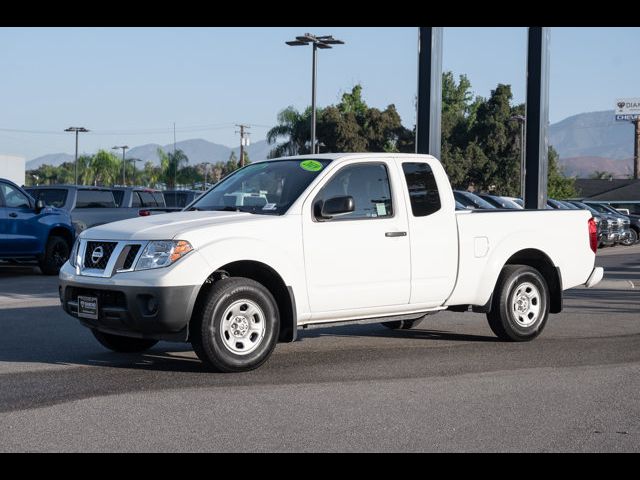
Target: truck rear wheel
x=236, y=328
x=55, y=254
x=121, y=344
x=520, y=304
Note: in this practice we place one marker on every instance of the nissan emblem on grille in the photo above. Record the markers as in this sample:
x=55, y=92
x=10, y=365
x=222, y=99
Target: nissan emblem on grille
x=97, y=254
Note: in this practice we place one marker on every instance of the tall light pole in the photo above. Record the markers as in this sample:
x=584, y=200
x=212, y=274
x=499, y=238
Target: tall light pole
x=134, y=160
x=521, y=119
x=124, y=164
x=323, y=42
x=77, y=130
x=206, y=167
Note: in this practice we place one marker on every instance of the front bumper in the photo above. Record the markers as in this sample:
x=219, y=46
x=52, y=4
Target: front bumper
x=161, y=313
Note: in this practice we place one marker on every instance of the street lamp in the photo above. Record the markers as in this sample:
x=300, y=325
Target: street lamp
x=206, y=164
x=135, y=170
x=76, y=129
x=521, y=119
x=322, y=42
x=124, y=164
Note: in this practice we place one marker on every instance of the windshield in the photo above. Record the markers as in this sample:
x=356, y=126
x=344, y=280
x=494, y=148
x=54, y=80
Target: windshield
x=268, y=188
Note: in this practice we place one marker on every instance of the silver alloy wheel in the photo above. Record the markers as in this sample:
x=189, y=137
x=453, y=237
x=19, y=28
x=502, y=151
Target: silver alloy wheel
x=243, y=327
x=525, y=304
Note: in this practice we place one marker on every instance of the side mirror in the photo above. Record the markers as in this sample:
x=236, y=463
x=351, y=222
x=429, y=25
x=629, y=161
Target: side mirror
x=336, y=206
x=40, y=205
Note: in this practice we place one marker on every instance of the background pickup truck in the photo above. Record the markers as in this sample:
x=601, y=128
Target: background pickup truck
x=318, y=240
x=88, y=206
x=30, y=231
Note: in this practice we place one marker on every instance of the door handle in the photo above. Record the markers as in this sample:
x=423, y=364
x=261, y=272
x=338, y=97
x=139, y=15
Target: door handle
x=395, y=234
x=13, y=215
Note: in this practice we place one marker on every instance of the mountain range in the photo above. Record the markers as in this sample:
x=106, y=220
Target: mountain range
x=197, y=149
x=586, y=142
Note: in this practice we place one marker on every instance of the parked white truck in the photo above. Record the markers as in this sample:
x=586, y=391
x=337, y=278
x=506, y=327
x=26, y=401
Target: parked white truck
x=321, y=239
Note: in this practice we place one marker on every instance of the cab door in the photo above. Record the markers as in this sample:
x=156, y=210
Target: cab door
x=20, y=232
x=433, y=231
x=357, y=261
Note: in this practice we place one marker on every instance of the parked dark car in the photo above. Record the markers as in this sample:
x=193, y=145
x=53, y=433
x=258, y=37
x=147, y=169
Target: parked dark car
x=88, y=206
x=629, y=235
x=472, y=200
x=137, y=197
x=500, y=202
x=608, y=233
x=30, y=231
x=180, y=198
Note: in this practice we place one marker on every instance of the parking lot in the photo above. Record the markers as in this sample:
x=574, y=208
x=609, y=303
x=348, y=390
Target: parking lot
x=447, y=385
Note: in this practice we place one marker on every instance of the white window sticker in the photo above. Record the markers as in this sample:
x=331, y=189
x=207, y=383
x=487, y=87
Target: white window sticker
x=270, y=206
x=381, y=209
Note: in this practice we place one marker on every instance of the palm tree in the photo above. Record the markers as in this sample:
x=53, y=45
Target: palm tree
x=170, y=163
x=295, y=128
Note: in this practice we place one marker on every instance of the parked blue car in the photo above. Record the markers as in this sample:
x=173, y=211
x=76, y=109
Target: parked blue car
x=30, y=231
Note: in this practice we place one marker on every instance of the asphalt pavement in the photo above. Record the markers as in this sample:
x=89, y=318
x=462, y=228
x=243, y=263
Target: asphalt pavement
x=447, y=385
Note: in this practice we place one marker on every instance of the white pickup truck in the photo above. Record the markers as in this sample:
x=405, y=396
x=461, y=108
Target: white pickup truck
x=321, y=239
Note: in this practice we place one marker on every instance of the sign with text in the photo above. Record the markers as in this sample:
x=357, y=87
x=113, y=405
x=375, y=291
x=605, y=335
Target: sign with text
x=627, y=109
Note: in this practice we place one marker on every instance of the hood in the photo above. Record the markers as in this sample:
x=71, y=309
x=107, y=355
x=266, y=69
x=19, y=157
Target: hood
x=166, y=226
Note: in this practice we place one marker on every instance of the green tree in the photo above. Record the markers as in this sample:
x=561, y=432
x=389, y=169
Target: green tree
x=170, y=164
x=232, y=164
x=107, y=168
x=558, y=185
x=295, y=128
x=601, y=175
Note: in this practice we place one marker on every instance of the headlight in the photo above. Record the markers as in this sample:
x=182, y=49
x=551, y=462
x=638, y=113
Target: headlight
x=74, y=254
x=158, y=254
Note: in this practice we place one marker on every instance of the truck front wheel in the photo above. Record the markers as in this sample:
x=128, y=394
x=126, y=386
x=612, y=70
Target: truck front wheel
x=55, y=254
x=520, y=304
x=236, y=328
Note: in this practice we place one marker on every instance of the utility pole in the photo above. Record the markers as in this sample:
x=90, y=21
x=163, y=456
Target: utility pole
x=243, y=142
x=76, y=129
x=124, y=164
x=636, y=150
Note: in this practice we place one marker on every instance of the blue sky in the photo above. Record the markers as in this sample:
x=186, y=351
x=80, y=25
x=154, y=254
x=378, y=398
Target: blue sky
x=128, y=85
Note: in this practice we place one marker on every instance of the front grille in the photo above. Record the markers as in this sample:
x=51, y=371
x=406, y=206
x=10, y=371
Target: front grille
x=106, y=298
x=131, y=256
x=92, y=251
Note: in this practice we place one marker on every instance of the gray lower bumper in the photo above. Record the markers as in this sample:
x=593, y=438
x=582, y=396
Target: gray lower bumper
x=162, y=313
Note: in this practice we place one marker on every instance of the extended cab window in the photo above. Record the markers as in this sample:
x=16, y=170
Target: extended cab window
x=368, y=184
x=14, y=198
x=53, y=197
x=147, y=199
x=118, y=196
x=423, y=190
x=159, y=198
x=95, y=199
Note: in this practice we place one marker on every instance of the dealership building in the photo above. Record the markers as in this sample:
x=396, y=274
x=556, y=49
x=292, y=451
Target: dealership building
x=12, y=168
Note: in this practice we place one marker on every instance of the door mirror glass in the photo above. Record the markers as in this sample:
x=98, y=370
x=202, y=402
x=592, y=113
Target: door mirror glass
x=40, y=206
x=336, y=206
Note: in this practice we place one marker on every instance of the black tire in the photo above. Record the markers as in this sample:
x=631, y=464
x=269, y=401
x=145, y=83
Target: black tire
x=403, y=324
x=121, y=344
x=55, y=254
x=505, y=321
x=208, y=327
x=632, y=238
